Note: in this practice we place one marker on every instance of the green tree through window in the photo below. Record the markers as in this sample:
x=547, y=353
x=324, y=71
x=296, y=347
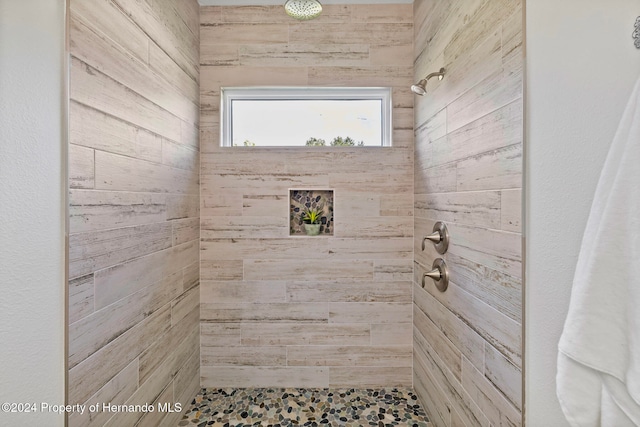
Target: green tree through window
x=338, y=141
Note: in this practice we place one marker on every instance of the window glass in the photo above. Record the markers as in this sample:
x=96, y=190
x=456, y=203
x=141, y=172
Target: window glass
x=302, y=117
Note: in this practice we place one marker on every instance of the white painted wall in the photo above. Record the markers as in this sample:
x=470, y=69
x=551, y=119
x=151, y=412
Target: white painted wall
x=32, y=207
x=581, y=67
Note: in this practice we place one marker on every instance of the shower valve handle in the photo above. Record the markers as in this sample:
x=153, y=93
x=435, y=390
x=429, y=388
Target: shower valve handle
x=439, y=274
x=435, y=237
x=439, y=237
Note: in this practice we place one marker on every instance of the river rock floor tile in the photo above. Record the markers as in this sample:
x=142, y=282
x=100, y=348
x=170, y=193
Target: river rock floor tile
x=285, y=407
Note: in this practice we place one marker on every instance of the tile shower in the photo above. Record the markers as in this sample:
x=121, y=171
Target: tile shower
x=134, y=208
x=468, y=168
x=328, y=311
x=184, y=272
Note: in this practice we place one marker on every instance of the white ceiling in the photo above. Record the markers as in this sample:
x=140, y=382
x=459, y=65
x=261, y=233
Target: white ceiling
x=267, y=2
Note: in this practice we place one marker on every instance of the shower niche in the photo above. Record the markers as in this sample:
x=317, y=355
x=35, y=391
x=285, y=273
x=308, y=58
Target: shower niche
x=304, y=200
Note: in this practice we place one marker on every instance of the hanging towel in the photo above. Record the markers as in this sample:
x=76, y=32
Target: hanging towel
x=598, y=377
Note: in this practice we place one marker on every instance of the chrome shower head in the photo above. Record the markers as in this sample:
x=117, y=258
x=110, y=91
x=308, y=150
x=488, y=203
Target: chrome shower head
x=303, y=10
x=420, y=87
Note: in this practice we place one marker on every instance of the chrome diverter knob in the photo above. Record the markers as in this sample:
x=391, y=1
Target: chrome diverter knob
x=439, y=237
x=439, y=274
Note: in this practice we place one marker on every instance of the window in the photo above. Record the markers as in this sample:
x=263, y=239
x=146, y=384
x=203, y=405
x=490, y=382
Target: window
x=305, y=116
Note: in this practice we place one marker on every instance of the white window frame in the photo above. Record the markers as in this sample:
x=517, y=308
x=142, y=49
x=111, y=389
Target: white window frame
x=229, y=94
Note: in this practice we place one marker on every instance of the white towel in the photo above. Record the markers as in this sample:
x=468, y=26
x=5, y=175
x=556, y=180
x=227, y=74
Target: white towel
x=598, y=379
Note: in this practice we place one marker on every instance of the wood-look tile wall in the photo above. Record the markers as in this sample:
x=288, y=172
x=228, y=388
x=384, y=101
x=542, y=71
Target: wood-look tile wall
x=134, y=208
x=468, y=173
x=306, y=311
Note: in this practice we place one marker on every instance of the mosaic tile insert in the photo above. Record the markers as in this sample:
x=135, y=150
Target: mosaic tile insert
x=301, y=201
x=280, y=407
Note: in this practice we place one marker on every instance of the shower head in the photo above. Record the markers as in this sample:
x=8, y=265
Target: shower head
x=303, y=10
x=420, y=87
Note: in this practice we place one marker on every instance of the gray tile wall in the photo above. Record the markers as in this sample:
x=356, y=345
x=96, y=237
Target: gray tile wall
x=306, y=311
x=134, y=207
x=468, y=173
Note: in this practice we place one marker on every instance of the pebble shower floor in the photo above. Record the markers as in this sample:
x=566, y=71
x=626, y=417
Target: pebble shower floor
x=285, y=407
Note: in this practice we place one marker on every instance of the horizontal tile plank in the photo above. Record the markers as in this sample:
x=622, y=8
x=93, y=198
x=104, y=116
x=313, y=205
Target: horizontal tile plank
x=185, y=230
x=80, y=297
x=511, y=210
x=119, y=173
x=257, y=248
x=184, y=305
x=221, y=270
x=307, y=269
x=245, y=33
x=499, y=89
x=95, y=371
x=99, y=210
x=504, y=375
x=212, y=291
x=179, y=341
x=166, y=67
x=220, y=334
x=428, y=361
x=383, y=226
x=439, y=179
x=269, y=205
x=392, y=13
x=348, y=291
x=396, y=205
x=91, y=333
x=392, y=270
x=182, y=206
x=482, y=208
x=489, y=399
x=157, y=388
x=369, y=377
x=380, y=356
x=495, y=249
x=81, y=167
x=91, y=128
x=117, y=391
x=243, y=356
x=180, y=156
x=97, y=90
x=258, y=376
x=466, y=340
x=101, y=53
x=303, y=54
x=186, y=383
x=497, y=129
x=390, y=34
x=497, y=289
x=267, y=312
x=391, y=334
x=162, y=25
x=305, y=334
x=425, y=329
x=108, y=19
x=116, y=282
x=500, y=169
x=364, y=312
x=94, y=250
